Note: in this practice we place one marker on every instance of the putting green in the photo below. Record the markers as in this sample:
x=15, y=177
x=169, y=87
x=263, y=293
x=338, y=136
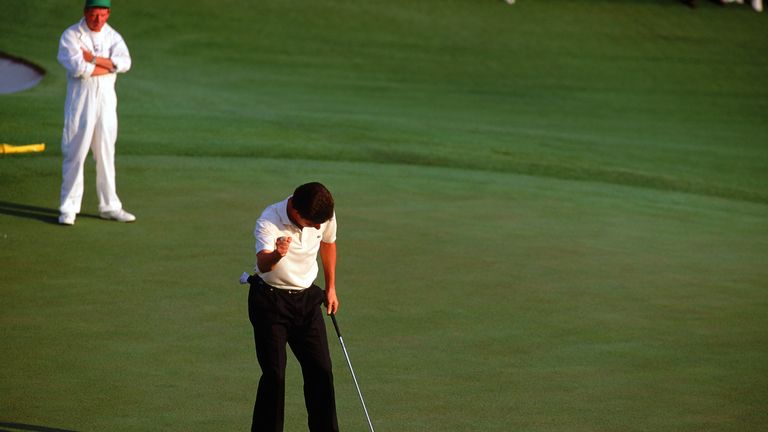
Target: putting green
x=552, y=215
x=469, y=300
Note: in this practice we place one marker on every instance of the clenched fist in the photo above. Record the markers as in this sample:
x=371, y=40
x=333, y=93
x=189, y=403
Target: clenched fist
x=282, y=244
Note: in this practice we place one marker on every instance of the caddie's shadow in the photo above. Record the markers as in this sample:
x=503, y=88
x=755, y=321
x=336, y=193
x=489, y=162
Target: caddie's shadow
x=15, y=427
x=47, y=215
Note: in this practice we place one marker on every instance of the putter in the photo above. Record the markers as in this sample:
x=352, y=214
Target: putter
x=354, y=378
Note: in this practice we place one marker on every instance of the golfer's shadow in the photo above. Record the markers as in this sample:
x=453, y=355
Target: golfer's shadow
x=47, y=215
x=15, y=427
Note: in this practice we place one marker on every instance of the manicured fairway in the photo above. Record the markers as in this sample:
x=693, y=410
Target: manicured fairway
x=553, y=216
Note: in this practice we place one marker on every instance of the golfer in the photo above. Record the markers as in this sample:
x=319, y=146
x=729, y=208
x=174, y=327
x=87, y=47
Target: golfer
x=284, y=305
x=93, y=53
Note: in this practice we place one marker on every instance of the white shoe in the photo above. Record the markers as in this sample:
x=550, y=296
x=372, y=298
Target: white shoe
x=67, y=219
x=757, y=5
x=510, y=1
x=118, y=215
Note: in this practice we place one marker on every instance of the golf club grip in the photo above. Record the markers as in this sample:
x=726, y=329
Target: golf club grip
x=335, y=324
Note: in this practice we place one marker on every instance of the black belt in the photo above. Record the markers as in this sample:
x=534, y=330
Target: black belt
x=260, y=281
x=289, y=291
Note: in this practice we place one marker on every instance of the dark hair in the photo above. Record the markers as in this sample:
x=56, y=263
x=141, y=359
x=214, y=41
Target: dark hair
x=313, y=202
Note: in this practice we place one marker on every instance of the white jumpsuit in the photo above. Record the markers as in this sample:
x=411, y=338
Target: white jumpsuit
x=90, y=114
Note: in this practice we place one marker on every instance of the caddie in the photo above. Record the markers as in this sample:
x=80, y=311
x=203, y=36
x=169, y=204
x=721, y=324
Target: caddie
x=93, y=53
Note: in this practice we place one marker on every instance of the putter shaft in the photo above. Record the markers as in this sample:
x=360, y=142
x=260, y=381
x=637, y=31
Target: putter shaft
x=354, y=378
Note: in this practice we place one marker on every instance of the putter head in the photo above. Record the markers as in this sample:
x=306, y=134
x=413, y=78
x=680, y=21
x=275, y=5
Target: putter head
x=244, y=278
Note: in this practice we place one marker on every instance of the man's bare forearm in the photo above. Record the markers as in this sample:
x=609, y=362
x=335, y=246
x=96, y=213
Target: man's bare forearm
x=99, y=70
x=105, y=63
x=266, y=260
x=328, y=258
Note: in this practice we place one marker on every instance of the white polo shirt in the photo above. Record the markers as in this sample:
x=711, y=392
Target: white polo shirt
x=298, y=268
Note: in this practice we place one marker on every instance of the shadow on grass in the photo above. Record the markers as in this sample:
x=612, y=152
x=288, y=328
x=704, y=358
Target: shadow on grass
x=42, y=214
x=13, y=427
x=30, y=212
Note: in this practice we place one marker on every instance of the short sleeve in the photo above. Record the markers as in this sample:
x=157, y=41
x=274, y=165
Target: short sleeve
x=266, y=235
x=329, y=233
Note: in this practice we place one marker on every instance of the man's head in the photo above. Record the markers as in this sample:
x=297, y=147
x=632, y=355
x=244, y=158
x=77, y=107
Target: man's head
x=96, y=13
x=313, y=203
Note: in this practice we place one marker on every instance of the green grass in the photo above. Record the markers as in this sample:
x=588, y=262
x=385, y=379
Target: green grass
x=553, y=216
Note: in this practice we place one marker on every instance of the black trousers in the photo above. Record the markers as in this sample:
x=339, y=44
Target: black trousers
x=281, y=317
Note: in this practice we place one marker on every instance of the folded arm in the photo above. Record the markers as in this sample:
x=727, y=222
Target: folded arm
x=102, y=65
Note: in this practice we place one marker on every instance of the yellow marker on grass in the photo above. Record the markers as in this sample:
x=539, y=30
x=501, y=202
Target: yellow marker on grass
x=28, y=148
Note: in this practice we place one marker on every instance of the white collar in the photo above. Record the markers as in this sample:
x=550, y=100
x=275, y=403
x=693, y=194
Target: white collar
x=282, y=213
x=86, y=31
